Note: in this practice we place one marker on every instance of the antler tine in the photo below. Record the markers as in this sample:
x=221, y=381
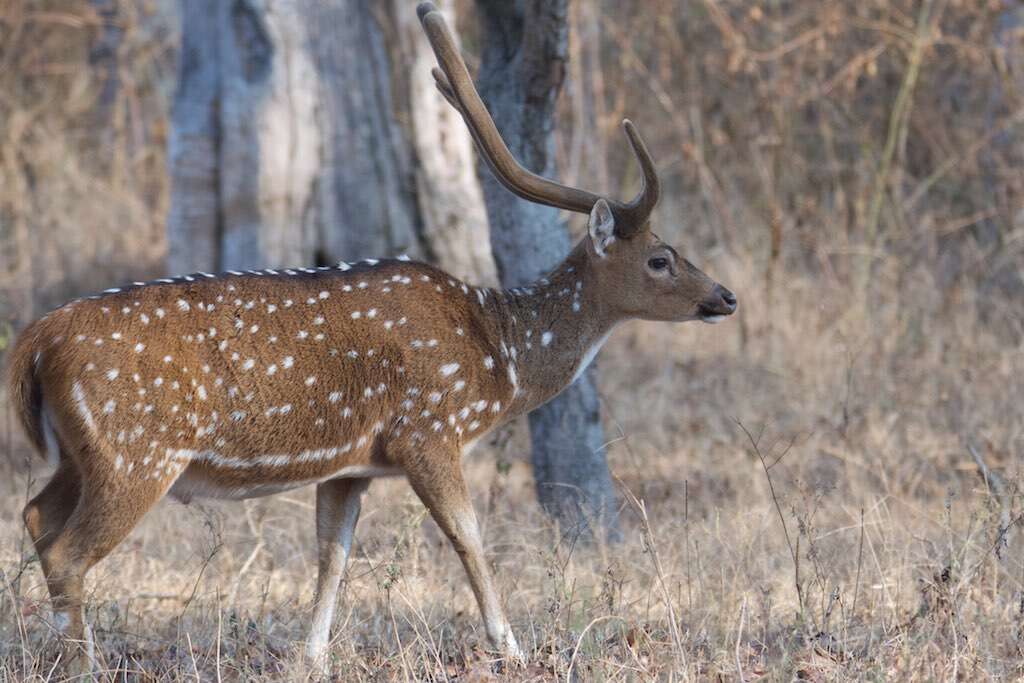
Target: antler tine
x=445, y=88
x=509, y=172
x=636, y=212
x=455, y=84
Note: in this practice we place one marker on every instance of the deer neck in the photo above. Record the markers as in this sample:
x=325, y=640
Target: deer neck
x=550, y=330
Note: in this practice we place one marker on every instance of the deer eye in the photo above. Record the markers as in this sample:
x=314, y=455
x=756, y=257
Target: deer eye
x=658, y=263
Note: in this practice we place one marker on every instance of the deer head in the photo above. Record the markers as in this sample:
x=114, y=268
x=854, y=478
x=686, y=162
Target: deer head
x=639, y=275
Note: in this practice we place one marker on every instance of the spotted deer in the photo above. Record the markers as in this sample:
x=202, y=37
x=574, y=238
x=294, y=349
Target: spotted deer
x=244, y=384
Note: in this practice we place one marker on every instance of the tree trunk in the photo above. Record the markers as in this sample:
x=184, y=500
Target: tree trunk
x=521, y=71
x=193, y=220
x=292, y=143
x=451, y=203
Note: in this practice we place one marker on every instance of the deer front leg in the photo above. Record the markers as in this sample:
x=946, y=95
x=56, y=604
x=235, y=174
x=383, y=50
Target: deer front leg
x=437, y=479
x=337, y=511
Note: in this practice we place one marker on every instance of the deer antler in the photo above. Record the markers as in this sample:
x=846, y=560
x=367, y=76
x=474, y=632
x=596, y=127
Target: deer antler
x=454, y=82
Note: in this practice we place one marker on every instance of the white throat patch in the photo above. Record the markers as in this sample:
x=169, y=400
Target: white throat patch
x=591, y=353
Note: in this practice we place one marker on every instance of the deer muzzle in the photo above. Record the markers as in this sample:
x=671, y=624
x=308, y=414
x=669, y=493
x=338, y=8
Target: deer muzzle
x=719, y=303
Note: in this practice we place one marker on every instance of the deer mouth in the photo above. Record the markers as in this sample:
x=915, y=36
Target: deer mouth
x=714, y=314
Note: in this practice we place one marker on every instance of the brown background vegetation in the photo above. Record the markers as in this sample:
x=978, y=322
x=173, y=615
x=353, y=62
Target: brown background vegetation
x=853, y=170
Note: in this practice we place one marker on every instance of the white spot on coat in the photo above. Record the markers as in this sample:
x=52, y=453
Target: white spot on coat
x=82, y=406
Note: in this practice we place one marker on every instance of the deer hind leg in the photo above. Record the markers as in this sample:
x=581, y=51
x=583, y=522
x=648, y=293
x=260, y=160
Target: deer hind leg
x=47, y=513
x=337, y=511
x=110, y=504
x=437, y=479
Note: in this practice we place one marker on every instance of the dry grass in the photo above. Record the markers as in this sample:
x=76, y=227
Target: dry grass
x=808, y=496
x=893, y=530
x=889, y=568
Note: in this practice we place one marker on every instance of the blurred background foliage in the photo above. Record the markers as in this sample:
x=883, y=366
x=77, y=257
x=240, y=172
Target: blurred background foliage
x=853, y=170
x=866, y=145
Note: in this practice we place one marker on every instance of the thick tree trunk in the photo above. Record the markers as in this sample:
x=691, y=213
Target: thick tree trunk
x=293, y=143
x=366, y=178
x=450, y=201
x=521, y=71
x=193, y=221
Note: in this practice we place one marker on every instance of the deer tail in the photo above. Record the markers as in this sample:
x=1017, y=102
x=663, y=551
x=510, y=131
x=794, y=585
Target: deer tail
x=24, y=391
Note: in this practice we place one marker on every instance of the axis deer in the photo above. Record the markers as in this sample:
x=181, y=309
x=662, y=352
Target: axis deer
x=244, y=384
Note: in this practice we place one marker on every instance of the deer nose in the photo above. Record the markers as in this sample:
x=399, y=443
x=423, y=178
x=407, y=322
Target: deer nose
x=727, y=297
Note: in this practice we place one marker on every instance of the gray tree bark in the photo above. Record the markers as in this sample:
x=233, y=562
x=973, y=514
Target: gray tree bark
x=521, y=71
x=193, y=220
x=293, y=143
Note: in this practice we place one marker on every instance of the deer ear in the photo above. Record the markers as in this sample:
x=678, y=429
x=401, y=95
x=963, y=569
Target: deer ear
x=601, y=226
